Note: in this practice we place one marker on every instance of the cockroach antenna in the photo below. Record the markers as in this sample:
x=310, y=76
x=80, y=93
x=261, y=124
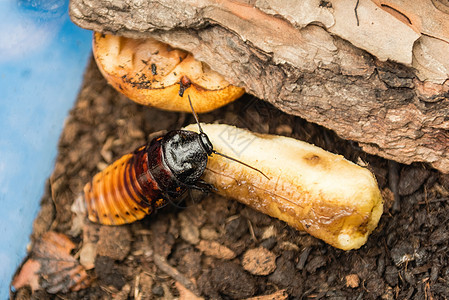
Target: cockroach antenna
x=195, y=115
x=218, y=153
x=241, y=162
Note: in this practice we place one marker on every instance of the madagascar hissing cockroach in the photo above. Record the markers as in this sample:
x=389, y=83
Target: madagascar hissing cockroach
x=140, y=182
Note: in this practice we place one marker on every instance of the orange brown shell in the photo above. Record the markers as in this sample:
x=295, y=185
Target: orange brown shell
x=125, y=191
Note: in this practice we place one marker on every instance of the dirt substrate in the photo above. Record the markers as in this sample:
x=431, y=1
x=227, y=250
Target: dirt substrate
x=211, y=245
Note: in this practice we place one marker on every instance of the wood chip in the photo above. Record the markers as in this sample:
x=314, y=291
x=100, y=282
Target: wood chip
x=289, y=246
x=352, y=280
x=87, y=255
x=162, y=264
x=102, y=165
x=78, y=208
x=268, y=232
x=186, y=294
x=284, y=129
x=123, y=294
x=142, y=286
x=189, y=232
x=209, y=233
x=212, y=248
x=259, y=261
x=106, y=152
x=279, y=295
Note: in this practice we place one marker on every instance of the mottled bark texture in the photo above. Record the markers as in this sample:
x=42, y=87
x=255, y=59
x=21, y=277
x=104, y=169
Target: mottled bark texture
x=371, y=73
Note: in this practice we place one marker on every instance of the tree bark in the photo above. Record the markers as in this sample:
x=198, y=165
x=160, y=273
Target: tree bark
x=373, y=71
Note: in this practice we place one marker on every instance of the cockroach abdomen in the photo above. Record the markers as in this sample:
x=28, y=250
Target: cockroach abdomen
x=113, y=197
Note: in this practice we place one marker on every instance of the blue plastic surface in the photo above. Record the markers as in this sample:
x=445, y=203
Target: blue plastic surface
x=42, y=59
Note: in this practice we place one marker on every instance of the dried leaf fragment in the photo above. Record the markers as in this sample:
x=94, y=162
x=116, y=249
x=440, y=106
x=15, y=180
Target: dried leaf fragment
x=153, y=73
x=51, y=267
x=28, y=275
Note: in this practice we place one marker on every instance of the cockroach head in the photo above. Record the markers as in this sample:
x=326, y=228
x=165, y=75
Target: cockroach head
x=205, y=142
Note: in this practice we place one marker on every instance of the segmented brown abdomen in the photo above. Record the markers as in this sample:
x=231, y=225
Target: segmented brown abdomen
x=123, y=192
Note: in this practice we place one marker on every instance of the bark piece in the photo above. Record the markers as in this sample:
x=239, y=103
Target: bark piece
x=277, y=53
x=426, y=16
x=369, y=34
x=430, y=59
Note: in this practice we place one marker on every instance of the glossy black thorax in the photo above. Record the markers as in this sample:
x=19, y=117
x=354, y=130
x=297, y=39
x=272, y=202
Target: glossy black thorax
x=185, y=153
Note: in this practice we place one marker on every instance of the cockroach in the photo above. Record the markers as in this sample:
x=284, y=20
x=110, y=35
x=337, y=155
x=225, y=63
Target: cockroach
x=141, y=182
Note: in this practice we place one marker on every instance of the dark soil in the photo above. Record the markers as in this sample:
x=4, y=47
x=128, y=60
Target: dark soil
x=203, y=245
